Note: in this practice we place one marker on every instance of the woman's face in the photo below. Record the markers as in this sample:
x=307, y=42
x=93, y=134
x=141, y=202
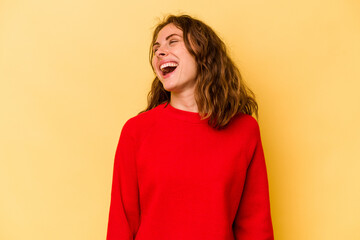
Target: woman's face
x=175, y=67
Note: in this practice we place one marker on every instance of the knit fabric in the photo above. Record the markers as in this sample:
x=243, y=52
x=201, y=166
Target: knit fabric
x=177, y=178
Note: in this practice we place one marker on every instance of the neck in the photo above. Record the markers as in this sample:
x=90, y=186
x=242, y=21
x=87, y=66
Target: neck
x=184, y=101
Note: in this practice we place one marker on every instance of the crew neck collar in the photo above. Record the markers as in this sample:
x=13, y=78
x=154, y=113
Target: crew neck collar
x=188, y=116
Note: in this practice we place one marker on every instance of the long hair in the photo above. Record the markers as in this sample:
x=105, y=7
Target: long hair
x=220, y=92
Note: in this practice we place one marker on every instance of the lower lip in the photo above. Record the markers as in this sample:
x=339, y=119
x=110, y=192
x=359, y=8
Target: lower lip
x=169, y=74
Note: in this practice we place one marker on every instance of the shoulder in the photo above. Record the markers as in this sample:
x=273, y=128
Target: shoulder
x=245, y=120
x=244, y=125
x=142, y=122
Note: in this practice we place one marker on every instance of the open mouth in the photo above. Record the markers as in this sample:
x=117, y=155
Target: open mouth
x=167, y=68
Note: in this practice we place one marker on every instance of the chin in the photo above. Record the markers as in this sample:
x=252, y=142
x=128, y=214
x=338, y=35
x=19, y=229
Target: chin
x=169, y=89
x=168, y=86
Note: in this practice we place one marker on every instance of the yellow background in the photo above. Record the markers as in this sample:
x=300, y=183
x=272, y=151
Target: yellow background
x=73, y=71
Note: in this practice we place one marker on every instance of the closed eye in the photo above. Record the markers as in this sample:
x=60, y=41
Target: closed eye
x=170, y=42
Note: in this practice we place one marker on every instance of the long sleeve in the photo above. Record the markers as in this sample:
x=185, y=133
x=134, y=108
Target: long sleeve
x=177, y=178
x=253, y=219
x=124, y=214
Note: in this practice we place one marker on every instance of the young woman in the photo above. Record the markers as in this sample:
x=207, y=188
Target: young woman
x=191, y=166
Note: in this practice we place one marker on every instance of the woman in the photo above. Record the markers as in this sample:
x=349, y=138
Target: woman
x=191, y=166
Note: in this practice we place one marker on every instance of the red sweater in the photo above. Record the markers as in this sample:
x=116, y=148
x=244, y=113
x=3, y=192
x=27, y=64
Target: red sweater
x=176, y=178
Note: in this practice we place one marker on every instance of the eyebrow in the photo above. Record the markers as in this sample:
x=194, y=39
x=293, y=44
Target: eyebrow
x=174, y=34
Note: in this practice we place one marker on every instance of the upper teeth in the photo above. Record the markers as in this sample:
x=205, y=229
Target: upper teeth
x=169, y=64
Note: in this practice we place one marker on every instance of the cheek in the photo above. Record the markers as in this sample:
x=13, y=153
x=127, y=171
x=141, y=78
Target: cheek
x=153, y=64
x=193, y=64
x=155, y=70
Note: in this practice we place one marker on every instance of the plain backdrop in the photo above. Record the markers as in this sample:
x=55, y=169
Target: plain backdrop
x=73, y=71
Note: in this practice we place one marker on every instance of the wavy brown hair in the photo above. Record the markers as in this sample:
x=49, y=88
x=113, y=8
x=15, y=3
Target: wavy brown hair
x=220, y=92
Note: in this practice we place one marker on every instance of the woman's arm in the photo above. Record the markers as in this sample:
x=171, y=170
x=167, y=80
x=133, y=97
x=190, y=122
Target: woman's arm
x=124, y=215
x=253, y=219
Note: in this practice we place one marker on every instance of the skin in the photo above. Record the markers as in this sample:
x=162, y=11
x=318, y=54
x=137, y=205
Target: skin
x=170, y=46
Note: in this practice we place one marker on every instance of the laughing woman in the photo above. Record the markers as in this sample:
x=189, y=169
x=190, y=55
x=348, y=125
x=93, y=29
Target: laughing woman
x=191, y=166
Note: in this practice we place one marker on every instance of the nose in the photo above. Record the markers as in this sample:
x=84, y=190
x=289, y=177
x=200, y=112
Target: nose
x=162, y=51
